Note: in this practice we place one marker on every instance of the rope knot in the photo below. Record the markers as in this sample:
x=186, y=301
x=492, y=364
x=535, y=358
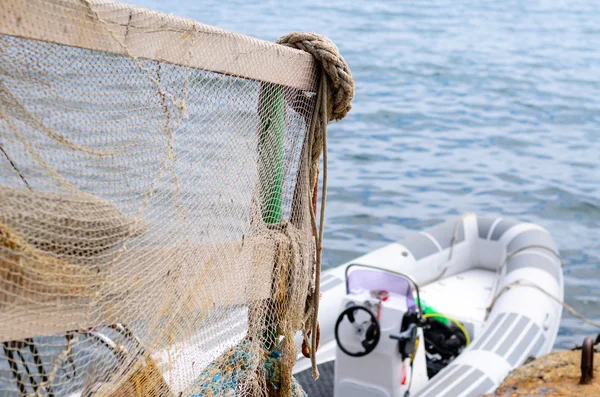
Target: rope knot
x=333, y=64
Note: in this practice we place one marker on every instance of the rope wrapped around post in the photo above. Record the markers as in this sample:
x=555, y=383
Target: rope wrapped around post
x=337, y=76
x=334, y=97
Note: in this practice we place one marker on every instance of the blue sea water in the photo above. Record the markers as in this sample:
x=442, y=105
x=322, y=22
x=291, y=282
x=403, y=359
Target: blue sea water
x=461, y=106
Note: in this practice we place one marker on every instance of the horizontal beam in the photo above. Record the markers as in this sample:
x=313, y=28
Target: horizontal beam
x=138, y=32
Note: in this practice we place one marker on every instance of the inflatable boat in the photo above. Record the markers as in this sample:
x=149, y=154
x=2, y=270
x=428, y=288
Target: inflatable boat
x=447, y=312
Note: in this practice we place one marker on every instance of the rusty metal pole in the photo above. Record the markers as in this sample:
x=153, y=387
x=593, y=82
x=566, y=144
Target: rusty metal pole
x=587, y=361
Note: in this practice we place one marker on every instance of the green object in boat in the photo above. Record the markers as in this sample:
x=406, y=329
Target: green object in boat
x=272, y=133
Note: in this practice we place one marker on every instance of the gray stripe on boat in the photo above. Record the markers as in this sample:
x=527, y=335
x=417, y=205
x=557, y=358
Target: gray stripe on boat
x=419, y=246
x=486, y=386
x=531, y=237
x=443, y=233
x=514, y=335
x=464, y=383
x=493, y=325
x=484, y=223
x=330, y=284
x=534, y=260
x=502, y=227
x=538, y=346
x=523, y=345
x=325, y=278
x=500, y=331
x=448, y=377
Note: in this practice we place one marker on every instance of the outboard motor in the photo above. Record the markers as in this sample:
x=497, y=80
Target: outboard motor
x=377, y=334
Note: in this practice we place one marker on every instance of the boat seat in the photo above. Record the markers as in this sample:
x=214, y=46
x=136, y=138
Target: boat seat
x=463, y=296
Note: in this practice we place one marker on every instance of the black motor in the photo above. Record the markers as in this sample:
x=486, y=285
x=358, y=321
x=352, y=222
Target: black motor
x=443, y=343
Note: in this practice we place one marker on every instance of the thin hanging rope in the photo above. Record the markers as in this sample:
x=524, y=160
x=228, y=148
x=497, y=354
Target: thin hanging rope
x=334, y=97
x=14, y=166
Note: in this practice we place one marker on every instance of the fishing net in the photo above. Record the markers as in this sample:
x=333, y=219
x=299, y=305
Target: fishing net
x=155, y=222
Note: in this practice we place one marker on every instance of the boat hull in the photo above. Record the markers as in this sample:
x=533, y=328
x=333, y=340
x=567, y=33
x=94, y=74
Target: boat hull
x=500, y=278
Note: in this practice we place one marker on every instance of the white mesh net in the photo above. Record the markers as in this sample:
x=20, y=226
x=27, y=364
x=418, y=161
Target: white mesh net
x=155, y=238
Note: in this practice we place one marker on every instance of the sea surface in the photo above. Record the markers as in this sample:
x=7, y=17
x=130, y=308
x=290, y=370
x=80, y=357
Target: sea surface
x=461, y=106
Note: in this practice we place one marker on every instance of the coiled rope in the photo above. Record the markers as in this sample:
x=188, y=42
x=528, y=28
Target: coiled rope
x=458, y=324
x=336, y=85
x=334, y=97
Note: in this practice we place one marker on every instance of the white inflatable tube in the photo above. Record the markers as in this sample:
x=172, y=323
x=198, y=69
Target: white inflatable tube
x=521, y=319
